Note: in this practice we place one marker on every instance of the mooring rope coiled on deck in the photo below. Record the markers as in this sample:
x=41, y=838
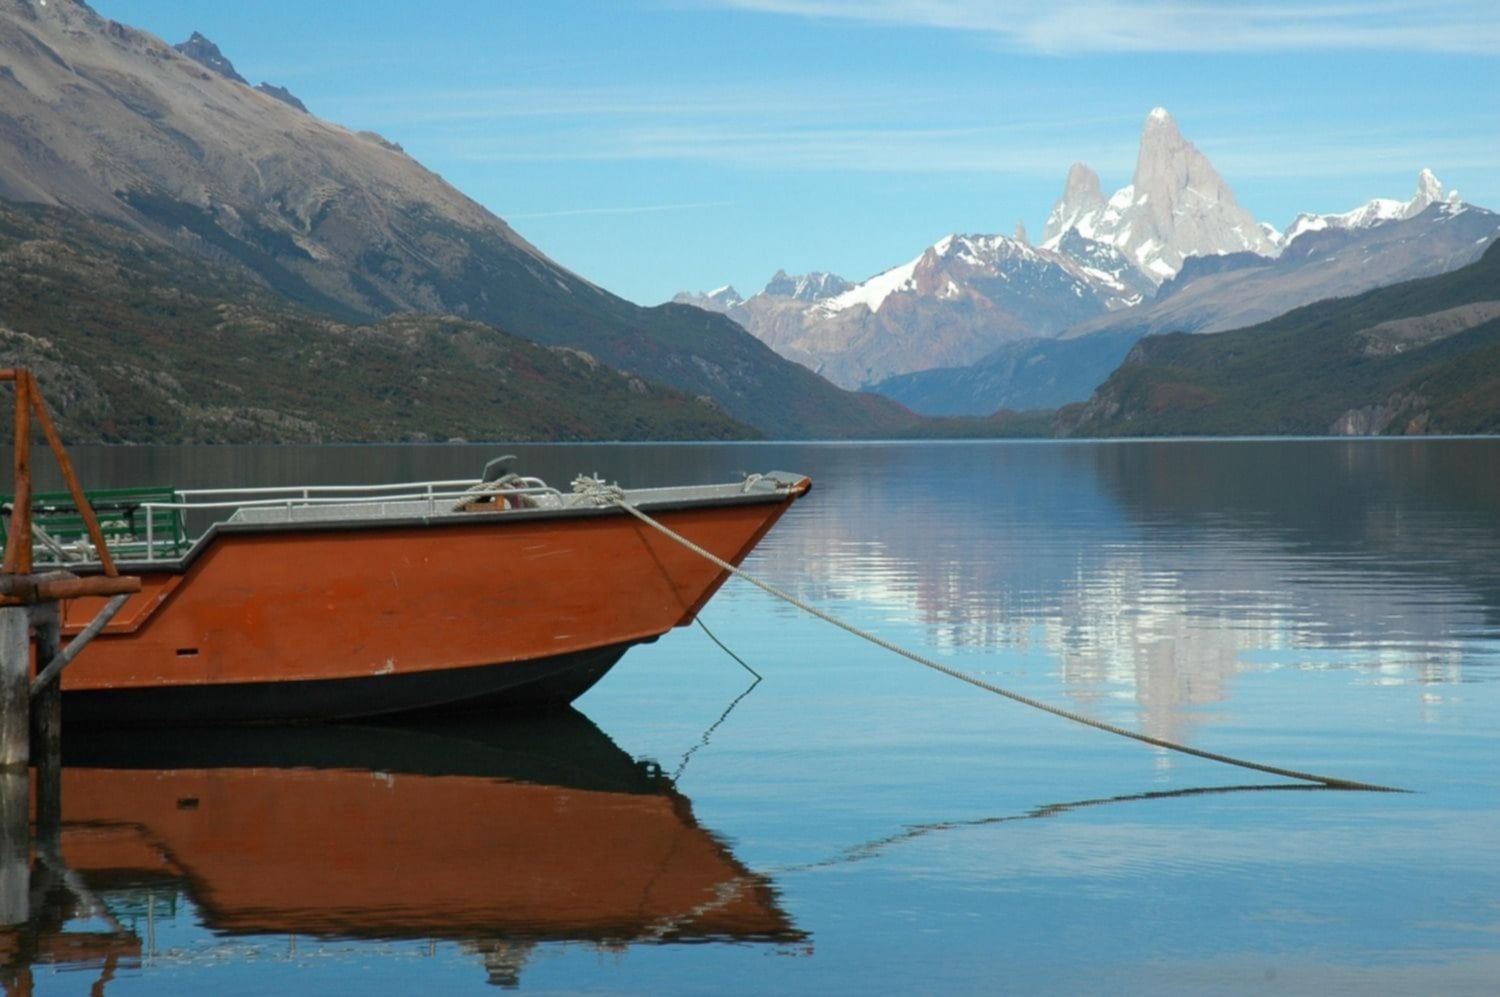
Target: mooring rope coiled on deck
x=616, y=497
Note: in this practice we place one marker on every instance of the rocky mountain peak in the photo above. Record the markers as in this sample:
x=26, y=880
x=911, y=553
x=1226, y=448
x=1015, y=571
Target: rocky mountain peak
x=1165, y=159
x=1081, y=197
x=1429, y=186
x=207, y=54
x=1430, y=191
x=814, y=286
x=1379, y=210
x=720, y=299
x=1178, y=206
x=1161, y=127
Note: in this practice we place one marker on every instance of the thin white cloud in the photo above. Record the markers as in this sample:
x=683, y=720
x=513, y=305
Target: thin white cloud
x=640, y=209
x=1068, y=27
x=750, y=100
x=1043, y=153
x=771, y=147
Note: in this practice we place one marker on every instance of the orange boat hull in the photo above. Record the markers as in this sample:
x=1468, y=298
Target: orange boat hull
x=475, y=612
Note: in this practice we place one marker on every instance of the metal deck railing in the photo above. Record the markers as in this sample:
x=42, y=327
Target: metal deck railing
x=151, y=524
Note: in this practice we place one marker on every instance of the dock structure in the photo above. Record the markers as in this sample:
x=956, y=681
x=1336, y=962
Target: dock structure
x=32, y=657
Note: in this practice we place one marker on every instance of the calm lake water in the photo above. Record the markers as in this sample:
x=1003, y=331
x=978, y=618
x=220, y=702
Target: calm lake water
x=855, y=823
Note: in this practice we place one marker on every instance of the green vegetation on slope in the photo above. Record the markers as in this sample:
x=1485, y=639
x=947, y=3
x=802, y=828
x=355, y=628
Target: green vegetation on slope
x=135, y=342
x=1315, y=370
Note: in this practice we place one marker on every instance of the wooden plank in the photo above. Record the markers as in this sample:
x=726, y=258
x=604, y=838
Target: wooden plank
x=49, y=674
x=23, y=590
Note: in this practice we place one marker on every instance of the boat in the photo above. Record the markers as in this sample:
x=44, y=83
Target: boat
x=316, y=603
x=493, y=836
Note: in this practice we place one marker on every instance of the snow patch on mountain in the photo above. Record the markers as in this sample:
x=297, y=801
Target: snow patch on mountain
x=720, y=299
x=873, y=292
x=1379, y=210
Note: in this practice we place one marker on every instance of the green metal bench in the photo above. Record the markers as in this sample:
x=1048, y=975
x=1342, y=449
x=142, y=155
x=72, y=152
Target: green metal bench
x=59, y=526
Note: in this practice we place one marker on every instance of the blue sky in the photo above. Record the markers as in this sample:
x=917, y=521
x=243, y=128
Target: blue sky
x=661, y=145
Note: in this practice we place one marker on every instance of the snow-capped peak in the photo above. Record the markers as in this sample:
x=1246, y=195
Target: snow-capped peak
x=813, y=286
x=1177, y=206
x=720, y=299
x=1378, y=210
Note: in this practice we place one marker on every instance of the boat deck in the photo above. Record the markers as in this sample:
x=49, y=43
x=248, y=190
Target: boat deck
x=149, y=529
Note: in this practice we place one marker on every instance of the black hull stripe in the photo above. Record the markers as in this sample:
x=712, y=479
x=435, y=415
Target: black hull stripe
x=543, y=683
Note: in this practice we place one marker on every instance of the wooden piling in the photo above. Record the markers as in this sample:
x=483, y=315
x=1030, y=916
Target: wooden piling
x=15, y=780
x=46, y=727
x=15, y=847
x=31, y=709
x=15, y=688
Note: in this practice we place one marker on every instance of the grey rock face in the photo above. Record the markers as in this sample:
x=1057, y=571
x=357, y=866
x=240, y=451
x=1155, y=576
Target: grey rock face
x=1177, y=206
x=809, y=287
x=282, y=94
x=1081, y=198
x=206, y=53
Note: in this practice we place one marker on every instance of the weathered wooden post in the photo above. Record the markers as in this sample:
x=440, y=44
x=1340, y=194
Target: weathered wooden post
x=15, y=710
x=31, y=709
x=15, y=780
x=15, y=688
x=46, y=726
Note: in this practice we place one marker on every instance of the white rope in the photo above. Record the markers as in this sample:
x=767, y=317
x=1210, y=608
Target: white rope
x=617, y=497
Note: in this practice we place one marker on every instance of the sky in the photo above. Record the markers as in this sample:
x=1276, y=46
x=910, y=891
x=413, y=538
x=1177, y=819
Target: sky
x=655, y=146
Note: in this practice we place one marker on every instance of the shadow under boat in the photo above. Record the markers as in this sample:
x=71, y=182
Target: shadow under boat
x=494, y=835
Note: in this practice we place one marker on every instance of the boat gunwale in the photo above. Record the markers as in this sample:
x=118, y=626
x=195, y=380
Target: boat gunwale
x=783, y=487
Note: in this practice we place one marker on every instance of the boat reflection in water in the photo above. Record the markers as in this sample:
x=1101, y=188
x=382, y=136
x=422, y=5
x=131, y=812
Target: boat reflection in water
x=496, y=836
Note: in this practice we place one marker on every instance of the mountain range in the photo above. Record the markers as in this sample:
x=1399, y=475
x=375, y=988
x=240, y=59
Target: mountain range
x=113, y=124
x=950, y=306
x=188, y=257
x=980, y=323
x=134, y=341
x=1209, y=294
x=1416, y=357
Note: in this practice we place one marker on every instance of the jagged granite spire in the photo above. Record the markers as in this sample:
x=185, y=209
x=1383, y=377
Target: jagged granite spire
x=1181, y=206
x=1081, y=198
x=1177, y=206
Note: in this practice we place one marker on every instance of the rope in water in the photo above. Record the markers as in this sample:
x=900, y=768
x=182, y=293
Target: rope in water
x=1329, y=781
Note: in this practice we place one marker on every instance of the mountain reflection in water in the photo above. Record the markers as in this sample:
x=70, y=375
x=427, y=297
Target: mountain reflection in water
x=494, y=835
x=1158, y=572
